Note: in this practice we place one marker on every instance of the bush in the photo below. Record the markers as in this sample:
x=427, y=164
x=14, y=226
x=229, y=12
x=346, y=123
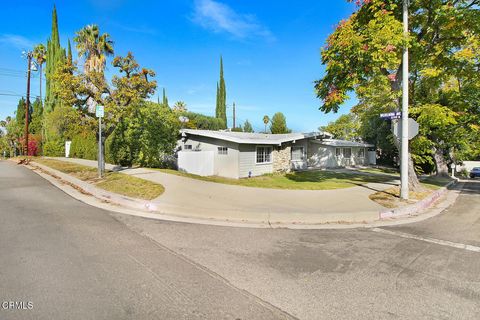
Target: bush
x=147, y=138
x=84, y=146
x=203, y=122
x=54, y=148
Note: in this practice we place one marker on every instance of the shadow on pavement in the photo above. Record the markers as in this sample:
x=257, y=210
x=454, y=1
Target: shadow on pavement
x=469, y=187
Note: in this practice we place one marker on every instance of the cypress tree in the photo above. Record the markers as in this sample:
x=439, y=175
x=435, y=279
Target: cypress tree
x=55, y=57
x=217, y=101
x=20, y=114
x=221, y=106
x=165, y=99
x=69, y=55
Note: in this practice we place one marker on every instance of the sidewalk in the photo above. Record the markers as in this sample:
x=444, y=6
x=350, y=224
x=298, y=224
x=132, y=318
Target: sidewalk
x=195, y=198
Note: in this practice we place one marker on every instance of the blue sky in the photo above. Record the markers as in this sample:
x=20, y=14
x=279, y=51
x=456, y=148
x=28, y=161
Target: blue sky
x=271, y=50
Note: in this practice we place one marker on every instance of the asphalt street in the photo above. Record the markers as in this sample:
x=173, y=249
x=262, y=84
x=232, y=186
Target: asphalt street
x=73, y=261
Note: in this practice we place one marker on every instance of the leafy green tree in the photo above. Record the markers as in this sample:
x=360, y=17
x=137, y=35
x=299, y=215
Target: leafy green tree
x=36, y=122
x=55, y=58
x=279, y=124
x=364, y=55
x=62, y=124
x=119, y=98
x=247, y=127
x=266, y=120
x=147, y=137
x=14, y=134
x=203, y=122
x=221, y=108
x=20, y=113
x=346, y=127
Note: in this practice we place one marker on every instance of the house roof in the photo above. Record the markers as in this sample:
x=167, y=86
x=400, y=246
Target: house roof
x=251, y=138
x=343, y=143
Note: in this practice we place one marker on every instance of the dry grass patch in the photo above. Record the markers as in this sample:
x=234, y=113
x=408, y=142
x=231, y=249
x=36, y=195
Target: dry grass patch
x=113, y=181
x=390, y=198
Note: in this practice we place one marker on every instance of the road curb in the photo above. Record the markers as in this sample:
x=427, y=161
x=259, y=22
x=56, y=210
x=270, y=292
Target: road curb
x=420, y=206
x=102, y=199
x=99, y=193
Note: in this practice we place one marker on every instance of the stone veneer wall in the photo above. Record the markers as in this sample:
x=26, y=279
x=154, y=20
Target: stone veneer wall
x=281, y=159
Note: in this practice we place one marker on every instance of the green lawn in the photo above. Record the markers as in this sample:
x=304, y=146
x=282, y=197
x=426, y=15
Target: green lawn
x=433, y=182
x=305, y=180
x=113, y=181
x=384, y=170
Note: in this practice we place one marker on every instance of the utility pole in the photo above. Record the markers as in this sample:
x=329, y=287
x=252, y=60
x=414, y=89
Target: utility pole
x=404, y=139
x=234, y=115
x=27, y=104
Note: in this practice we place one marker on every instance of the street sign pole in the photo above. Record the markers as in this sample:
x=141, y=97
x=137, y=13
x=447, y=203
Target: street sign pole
x=100, y=153
x=99, y=112
x=404, y=140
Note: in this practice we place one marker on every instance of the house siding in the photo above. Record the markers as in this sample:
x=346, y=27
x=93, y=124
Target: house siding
x=224, y=165
x=323, y=156
x=248, y=161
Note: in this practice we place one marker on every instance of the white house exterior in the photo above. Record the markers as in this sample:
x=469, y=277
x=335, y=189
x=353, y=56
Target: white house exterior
x=240, y=154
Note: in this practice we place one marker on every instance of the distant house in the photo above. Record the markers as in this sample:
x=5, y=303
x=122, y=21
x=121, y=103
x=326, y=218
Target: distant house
x=241, y=154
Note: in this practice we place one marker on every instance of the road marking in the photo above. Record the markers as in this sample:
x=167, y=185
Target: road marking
x=430, y=240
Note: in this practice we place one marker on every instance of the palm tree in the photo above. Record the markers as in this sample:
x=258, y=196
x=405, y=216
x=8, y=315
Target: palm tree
x=266, y=120
x=94, y=48
x=40, y=56
x=180, y=107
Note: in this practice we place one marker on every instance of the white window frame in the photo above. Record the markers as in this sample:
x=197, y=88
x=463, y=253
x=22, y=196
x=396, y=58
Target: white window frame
x=302, y=157
x=264, y=154
x=343, y=152
x=338, y=152
x=361, y=156
x=222, y=151
x=187, y=147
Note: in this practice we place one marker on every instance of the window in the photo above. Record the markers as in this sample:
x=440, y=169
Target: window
x=361, y=153
x=264, y=154
x=297, y=153
x=187, y=147
x=338, y=152
x=347, y=153
x=222, y=150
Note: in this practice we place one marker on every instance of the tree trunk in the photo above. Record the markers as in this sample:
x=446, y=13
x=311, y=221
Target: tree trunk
x=440, y=163
x=413, y=182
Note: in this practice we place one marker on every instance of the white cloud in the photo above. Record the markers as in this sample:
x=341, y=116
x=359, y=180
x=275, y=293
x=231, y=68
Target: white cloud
x=16, y=41
x=219, y=17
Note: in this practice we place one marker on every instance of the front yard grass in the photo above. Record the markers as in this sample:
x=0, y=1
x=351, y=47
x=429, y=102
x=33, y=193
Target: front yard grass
x=303, y=180
x=113, y=181
x=381, y=170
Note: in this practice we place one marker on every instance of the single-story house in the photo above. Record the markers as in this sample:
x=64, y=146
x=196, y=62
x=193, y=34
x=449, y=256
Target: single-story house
x=241, y=154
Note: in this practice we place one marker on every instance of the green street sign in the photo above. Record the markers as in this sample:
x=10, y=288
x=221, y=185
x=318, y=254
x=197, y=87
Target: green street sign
x=99, y=111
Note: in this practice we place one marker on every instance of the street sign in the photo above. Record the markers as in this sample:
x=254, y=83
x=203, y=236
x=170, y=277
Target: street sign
x=391, y=115
x=413, y=127
x=183, y=119
x=99, y=111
